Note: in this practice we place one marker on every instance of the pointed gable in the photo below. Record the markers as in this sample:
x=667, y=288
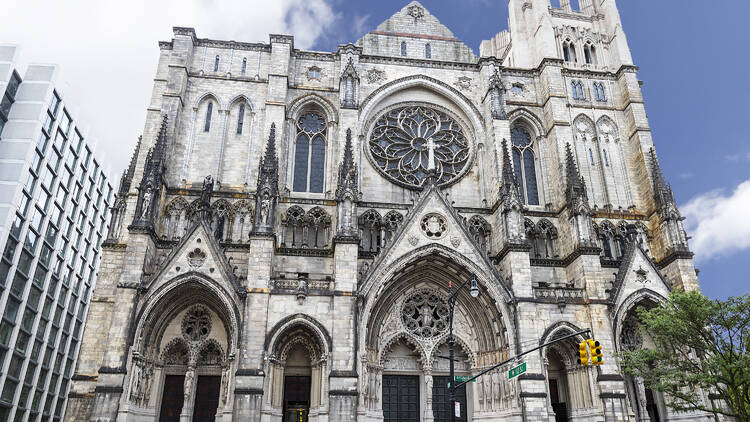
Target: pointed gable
x=197, y=252
x=415, y=26
x=418, y=230
x=637, y=272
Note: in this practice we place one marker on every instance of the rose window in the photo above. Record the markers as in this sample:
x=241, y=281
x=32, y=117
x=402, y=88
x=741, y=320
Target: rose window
x=406, y=143
x=196, y=324
x=425, y=314
x=433, y=226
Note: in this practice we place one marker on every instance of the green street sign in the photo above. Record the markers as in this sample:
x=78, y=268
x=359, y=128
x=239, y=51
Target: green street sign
x=518, y=370
x=463, y=378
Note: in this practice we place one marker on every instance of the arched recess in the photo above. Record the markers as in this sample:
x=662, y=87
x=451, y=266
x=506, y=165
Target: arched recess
x=647, y=405
x=590, y=159
x=522, y=120
x=206, y=127
x=186, y=335
x=613, y=162
x=431, y=92
x=298, y=348
x=237, y=138
x=310, y=148
x=571, y=389
x=407, y=304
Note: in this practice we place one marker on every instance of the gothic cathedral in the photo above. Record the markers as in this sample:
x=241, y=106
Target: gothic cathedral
x=284, y=237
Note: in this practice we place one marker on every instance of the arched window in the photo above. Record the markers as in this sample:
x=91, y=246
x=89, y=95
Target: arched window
x=531, y=237
x=216, y=64
x=524, y=166
x=244, y=65
x=240, y=118
x=427, y=51
x=309, y=154
x=370, y=227
x=607, y=240
x=591, y=157
x=221, y=212
x=318, y=225
x=599, y=91
x=589, y=53
x=209, y=110
x=403, y=48
x=606, y=157
x=569, y=51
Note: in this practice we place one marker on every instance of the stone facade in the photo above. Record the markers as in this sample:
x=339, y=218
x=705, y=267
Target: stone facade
x=292, y=221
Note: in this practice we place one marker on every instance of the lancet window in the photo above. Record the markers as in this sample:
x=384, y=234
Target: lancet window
x=569, y=51
x=608, y=241
x=220, y=221
x=242, y=221
x=524, y=164
x=542, y=237
x=176, y=219
x=310, y=153
x=589, y=53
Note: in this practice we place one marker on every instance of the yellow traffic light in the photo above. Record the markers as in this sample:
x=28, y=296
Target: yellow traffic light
x=583, y=353
x=596, y=354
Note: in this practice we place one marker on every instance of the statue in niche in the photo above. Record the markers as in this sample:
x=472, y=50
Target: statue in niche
x=146, y=205
x=265, y=208
x=426, y=313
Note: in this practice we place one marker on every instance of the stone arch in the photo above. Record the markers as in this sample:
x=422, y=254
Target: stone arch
x=527, y=118
x=176, y=218
x=368, y=107
x=401, y=336
x=208, y=95
x=320, y=334
x=210, y=350
x=242, y=222
x=461, y=342
x=604, y=119
x=175, y=352
x=241, y=98
x=574, y=382
x=222, y=213
x=170, y=297
x=370, y=231
x=298, y=331
x=486, y=316
x=628, y=305
x=304, y=102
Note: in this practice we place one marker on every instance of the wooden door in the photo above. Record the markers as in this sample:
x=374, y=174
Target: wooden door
x=207, y=393
x=441, y=404
x=401, y=398
x=172, y=397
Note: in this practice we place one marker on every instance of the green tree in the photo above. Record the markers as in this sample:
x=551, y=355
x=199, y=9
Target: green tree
x=700, y=343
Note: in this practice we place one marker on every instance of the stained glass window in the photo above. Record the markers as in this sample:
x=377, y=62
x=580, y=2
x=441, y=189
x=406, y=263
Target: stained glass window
x=524, y=163
x=209, y=109
x=310, y=154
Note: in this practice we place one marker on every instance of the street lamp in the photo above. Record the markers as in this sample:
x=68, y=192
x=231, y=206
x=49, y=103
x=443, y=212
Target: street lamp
x=474, y=291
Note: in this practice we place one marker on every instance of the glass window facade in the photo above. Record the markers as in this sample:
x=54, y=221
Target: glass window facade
x=9, y=97
x=47, y=268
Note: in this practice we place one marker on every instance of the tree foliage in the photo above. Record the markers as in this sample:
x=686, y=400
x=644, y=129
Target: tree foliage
x=701, y=348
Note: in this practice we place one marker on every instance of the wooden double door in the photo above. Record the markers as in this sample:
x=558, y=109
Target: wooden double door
x=401, y=399
x=206, y=404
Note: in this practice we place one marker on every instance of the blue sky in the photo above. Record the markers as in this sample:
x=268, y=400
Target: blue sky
x=692, y=55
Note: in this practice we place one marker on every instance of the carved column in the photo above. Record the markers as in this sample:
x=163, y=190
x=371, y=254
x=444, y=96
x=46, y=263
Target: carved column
x=189, y=395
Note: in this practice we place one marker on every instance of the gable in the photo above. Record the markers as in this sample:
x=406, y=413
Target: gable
x=637, y=272
x=432, y=221
x=197, y=252
x=415, y=26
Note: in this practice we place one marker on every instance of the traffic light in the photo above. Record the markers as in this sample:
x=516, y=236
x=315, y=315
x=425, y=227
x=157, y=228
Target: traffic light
x=596, y=354
x=583, y=353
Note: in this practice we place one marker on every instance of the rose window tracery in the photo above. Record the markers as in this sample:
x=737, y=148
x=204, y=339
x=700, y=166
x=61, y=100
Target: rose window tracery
x=196, y=325
x=425, y=314
x=433, y=226
x=407, y=142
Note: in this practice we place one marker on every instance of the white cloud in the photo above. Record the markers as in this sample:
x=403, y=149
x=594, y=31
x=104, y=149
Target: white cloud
x=107, y=50
x=718, y=222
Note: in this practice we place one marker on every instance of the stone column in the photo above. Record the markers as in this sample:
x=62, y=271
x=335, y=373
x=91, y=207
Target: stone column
x=189, y=395
x=428, y=415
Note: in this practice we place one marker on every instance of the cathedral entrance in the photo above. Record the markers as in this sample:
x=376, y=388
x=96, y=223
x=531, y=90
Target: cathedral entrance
x=206, y=398
x=558, y=383
x=401, y=398
x=296, y=398
x=172, y=398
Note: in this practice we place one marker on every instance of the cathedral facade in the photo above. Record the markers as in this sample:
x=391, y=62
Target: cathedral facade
x=284, y=238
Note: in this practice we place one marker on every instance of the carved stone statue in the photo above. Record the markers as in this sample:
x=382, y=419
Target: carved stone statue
x=146, y=206
x=188, y=388
x=265, y=209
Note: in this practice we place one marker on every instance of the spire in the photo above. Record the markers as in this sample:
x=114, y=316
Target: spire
x=150, y=187
x=508, y=177
x=662, y=191
x=576, y=186
x=347, y=183
x=127, y=176
x=267, y=190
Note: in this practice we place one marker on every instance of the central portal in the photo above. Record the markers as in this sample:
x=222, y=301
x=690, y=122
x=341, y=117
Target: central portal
x=401, y=398
x=296, y=398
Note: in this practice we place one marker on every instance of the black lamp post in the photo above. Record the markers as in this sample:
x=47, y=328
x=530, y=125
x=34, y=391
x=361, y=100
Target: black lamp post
x=474, y=290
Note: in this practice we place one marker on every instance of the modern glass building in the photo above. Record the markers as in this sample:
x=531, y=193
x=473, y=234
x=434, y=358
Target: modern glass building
x=54, y=206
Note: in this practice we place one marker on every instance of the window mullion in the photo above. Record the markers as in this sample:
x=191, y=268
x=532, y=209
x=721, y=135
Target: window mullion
x=309, y=160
